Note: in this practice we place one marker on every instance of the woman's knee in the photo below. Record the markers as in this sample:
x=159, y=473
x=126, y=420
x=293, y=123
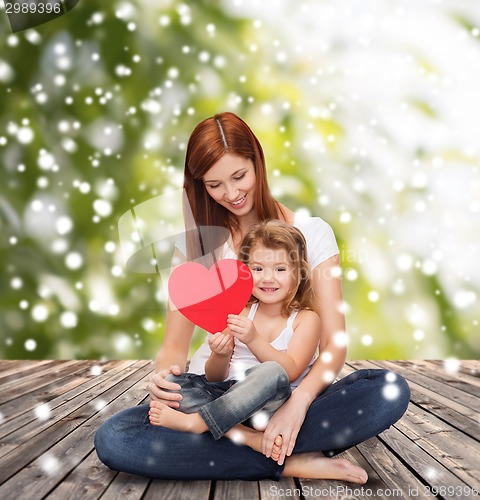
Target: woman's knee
x=104, y=443
x=394, y=390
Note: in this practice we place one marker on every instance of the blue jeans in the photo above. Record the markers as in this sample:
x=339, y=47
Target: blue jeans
x=348, y=412
x=222, y=405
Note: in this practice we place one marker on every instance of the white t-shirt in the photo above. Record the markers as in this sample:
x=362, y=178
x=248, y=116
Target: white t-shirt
x=321, y=245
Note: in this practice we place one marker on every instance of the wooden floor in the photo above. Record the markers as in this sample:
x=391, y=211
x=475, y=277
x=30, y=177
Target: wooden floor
x=49, y=411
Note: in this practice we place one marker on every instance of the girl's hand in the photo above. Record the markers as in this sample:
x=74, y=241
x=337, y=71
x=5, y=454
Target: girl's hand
x=221, y=344
x=242, y=328
x=157, y=385
x=287, y=421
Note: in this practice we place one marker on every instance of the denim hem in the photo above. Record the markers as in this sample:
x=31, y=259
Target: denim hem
x=211, y=424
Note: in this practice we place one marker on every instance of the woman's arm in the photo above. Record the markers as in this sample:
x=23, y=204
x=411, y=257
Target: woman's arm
x=300, y=350
x=288, y=419
x=333, y=338
x=171, y=358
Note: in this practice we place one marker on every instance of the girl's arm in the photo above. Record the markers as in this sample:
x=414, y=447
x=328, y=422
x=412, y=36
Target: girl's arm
x=288, y=419
x=302, y=346
x=218, y=363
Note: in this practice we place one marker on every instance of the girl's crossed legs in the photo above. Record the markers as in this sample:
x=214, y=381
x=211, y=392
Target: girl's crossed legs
x=219, y=406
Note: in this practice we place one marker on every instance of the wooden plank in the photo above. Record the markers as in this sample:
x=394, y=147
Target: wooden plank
x=35, y=381
x=27, y=425
x=178, y=490
x=126, y=486
x=456, y=451
x=51, y=392
x=459, y=416
x=423, y=392
x=432, y=472
x=473, y=372
x=86, y=477
x=333, y=490
x=472, y=364
x=11, y=370
x=6, y=364
x=88, y=480
x=60, y=440
x=286, y=487
x=236, y=490
x=41, y=475
x=449, y=392
x=453, y=450
x=395, y=474
x=438, y=367
x=374, y=482
x=438, y=374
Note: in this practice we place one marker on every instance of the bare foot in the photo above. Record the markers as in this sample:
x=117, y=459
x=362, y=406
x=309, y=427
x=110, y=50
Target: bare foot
x=317, y=466
x=277, y=448
x=163, y=415
x=241, y=434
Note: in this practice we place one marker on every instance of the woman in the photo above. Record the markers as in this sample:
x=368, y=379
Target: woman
x=226, y=185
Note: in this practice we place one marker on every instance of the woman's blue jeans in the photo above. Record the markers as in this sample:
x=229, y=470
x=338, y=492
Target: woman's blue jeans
x=222, y=405
x=352, y=410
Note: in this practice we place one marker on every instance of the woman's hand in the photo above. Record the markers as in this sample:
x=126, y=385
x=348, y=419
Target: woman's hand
x=242, y=328
x=157, y=385
x=286, y=421
x=221, y=344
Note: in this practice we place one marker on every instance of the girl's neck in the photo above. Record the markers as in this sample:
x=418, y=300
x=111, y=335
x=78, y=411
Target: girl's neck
x=271, y=310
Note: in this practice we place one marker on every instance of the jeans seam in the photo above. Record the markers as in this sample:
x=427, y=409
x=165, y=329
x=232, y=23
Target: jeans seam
x=211, y=424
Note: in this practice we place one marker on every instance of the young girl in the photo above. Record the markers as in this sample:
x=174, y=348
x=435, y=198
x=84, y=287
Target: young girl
x=271, y=343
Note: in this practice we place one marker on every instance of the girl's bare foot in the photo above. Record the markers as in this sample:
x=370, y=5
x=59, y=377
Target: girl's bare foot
x=277, y=448
x=163, y=415
x=250, y=437
x=317, y=466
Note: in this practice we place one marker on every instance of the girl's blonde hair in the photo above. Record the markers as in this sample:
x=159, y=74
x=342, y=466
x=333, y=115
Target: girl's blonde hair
x=276, y=234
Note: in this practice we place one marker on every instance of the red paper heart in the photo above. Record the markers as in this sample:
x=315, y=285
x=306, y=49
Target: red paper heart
x=207, y=296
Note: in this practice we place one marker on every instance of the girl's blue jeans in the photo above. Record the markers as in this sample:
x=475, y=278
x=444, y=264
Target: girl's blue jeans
x=222, y=405
x=352, y=410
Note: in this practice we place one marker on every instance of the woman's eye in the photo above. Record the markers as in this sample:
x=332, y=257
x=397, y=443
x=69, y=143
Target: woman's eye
x=241, y=177
x=213, y=186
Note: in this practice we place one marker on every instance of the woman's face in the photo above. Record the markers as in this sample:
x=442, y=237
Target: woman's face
x=231, y=183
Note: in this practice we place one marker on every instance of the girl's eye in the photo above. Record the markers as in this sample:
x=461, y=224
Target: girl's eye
x=281, y=269
x=241, y=177
x=213, y=187
x=256, y=268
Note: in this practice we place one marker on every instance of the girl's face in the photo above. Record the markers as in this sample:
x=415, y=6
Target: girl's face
x=231, y=183
x=272, y=273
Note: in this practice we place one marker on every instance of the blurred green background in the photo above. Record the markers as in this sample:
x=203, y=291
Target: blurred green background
x=368, y=114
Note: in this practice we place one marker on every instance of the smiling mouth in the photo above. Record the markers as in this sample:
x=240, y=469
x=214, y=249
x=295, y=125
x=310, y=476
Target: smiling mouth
x=268, y=289
x=239, y=202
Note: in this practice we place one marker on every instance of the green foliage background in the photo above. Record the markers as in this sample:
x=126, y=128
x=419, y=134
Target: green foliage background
x=112, y=92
